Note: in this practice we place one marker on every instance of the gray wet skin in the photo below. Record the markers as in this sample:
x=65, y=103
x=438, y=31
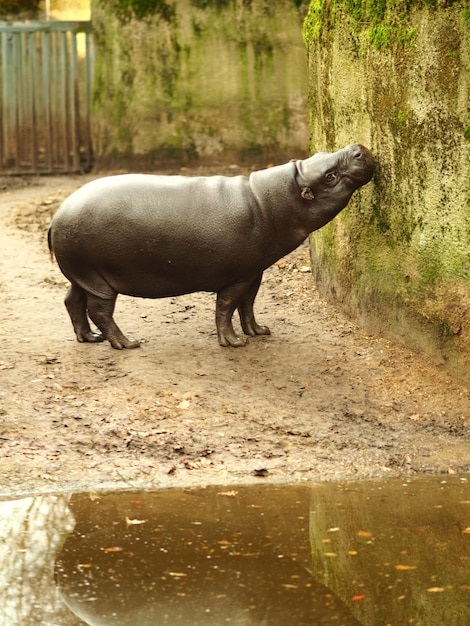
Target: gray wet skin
x=159, y=236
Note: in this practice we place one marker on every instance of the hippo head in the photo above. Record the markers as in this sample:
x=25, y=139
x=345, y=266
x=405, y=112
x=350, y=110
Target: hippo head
x=331, y=177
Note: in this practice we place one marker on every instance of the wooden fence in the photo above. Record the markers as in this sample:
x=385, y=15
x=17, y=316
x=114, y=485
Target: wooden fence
x=45, y=82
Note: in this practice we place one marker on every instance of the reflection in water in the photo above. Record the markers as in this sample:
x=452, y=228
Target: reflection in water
x=193, y=557
x=396, y=552
x=371, y=553
x=31, y=531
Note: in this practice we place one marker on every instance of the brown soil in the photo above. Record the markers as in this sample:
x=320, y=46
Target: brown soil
x=317, y=400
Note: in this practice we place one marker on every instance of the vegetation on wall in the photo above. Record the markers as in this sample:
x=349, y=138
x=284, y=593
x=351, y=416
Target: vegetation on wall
x=219, y=79
x=145, y=9
x=13, y=7
x=384, y=22
x=126, y=10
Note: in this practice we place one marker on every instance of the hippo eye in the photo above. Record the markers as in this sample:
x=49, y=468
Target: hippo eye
x=330, y=177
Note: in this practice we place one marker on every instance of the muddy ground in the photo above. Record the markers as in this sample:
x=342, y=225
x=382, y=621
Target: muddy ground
x=317, y=400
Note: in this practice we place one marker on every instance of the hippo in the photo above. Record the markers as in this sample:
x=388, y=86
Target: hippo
x=154, y=236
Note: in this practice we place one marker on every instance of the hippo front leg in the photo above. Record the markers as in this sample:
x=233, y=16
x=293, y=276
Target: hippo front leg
x=227, y=301
x=239, y=295
x=245, y=310
x=224, y=310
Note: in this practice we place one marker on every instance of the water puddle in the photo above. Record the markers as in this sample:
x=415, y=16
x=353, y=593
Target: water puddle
x=373, y=553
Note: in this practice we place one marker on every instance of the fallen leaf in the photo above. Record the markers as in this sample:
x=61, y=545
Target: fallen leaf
x=466, y=531
x=364, y=533
x=356, y=598
x=435, y=589
x=113, y=549
x=404, y=568
x=198, y=464
x=184, y=404
x=134, y=522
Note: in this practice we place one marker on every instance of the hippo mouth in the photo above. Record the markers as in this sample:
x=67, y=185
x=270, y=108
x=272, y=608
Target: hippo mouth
x=359, y=164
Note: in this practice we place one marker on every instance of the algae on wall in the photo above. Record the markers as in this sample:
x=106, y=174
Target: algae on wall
x=211, y=79
x=395, y=76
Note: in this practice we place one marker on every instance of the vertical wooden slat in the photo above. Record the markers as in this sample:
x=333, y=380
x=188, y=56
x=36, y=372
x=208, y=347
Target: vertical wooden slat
x=63, y=99
x=33, y=80
x=19, y=95
x=88, y=81
x=47, y=99
x=54, y=95
x=23, y=96
x=18, y=101
x=4, y=104
x=15, y=80
x=74, y=105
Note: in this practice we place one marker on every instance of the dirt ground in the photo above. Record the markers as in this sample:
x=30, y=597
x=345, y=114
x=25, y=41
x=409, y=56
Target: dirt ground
x=317, y=400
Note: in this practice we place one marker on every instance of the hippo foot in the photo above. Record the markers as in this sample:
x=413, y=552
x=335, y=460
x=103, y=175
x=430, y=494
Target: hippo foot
x=123, y=343
x=258, y=330
x=232, y=341
x=89, y=337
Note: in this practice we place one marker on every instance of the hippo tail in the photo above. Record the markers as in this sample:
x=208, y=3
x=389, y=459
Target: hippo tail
x=49, y=243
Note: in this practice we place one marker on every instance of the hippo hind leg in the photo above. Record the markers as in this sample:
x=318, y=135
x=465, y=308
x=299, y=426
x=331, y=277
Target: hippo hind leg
x=101, y=312
x=239, y=295
x=76, y=304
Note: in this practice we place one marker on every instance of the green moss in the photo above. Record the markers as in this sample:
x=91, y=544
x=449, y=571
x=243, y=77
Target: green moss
x=380, y=36
x=402, y=116
x=466, y=133
x=384, y=22
x=406, y=37
x=380, y=217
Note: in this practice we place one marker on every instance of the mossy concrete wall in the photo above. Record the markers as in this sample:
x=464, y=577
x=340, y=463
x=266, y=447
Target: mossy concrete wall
x=205, y=79
x=395, y=75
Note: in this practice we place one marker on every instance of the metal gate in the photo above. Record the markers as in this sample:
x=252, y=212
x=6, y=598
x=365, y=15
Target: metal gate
x=45, y=81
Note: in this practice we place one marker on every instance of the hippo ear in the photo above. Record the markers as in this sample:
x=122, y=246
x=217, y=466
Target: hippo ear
x=307, y=193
